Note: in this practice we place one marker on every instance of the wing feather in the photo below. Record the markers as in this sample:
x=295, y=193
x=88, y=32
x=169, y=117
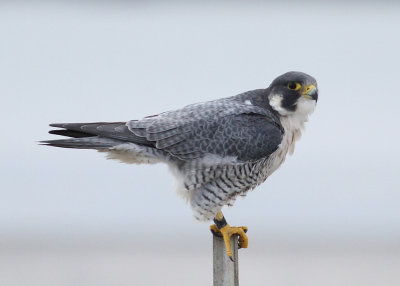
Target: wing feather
x=224, y=127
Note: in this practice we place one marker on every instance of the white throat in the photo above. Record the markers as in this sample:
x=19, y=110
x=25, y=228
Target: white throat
x=292, y=121
x=304, y=107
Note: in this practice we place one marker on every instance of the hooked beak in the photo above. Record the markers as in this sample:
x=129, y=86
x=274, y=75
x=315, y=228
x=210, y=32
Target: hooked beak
x=310, y=92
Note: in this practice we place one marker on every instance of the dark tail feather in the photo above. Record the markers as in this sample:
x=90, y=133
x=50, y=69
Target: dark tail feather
x=71, y=133
x=95, y=135
x=93, y=142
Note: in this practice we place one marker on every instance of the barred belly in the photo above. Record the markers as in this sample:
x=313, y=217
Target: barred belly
x=222, y=185
x=212, y=187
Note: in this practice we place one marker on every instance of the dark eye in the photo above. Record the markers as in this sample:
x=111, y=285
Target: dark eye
x=293, y=85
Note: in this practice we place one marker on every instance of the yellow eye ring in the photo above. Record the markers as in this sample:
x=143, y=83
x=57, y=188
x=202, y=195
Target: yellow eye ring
x=293, y=85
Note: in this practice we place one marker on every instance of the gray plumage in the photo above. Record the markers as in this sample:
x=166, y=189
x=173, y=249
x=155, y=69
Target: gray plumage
x=217, y=150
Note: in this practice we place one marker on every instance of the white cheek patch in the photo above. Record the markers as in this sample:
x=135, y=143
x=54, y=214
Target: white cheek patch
x=304, y=106
x=275, y=100
x=248, y=102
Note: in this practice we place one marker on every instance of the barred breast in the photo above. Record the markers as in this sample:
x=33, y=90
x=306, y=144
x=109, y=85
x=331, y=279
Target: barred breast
x=208, y=187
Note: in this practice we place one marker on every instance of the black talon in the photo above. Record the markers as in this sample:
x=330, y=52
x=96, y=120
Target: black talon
x=217, y=234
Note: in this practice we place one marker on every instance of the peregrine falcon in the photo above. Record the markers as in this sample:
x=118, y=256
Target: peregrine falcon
x=218, y=150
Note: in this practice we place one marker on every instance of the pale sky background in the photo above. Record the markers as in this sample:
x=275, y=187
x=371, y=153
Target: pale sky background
x=94, y=61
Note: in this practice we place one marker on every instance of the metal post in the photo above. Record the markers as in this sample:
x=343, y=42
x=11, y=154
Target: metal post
x=226, y=272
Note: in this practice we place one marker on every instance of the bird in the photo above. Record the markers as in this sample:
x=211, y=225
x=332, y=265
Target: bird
x=217, y=150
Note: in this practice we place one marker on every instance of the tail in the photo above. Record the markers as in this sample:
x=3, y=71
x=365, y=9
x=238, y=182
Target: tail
x=92, y=142
x=99, y=135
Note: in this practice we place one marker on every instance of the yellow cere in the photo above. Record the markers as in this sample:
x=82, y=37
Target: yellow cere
x=306, y=90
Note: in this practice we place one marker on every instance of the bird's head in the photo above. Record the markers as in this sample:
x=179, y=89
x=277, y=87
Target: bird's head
x=293, y=93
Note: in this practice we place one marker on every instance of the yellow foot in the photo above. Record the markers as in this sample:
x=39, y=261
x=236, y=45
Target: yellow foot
x=227, y=231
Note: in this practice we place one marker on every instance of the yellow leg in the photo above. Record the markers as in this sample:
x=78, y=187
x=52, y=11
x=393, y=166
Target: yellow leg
x=221, y=228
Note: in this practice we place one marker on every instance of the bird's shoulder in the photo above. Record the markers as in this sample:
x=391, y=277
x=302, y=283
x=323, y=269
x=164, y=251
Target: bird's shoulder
x=243, y=125
x=250, y=102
